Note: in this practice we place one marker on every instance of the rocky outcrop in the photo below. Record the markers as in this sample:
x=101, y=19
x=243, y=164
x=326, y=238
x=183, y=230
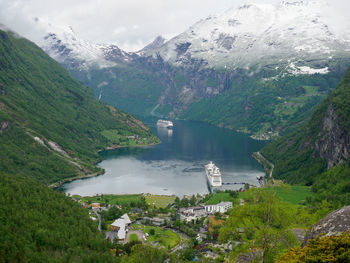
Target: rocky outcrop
x=4, y=125
x=248, y=257
x=2, y=90
x=157, y=43
x=334, y=223
x=333, y=144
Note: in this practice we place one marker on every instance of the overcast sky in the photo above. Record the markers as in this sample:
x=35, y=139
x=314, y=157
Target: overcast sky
x=130, y=24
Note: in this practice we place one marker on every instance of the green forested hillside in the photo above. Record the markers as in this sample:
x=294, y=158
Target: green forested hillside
x=305, y=155
x=51, y=128
x=257, y=105
x=38, y=224
x=38, y=98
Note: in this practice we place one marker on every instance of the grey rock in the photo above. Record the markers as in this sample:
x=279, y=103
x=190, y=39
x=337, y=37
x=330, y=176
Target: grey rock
x=2, y=90
x=4, y=125
x=299, y=233
x=334, y=223
x=157, y=43
x=248, y=257
x=333, y=144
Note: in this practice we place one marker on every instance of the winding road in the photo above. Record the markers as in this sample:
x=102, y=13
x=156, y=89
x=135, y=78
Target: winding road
x=99, y=220
x=268, y=162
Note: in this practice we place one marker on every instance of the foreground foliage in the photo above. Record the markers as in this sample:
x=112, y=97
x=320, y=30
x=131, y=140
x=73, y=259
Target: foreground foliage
x=262, y=224
x=321, y=250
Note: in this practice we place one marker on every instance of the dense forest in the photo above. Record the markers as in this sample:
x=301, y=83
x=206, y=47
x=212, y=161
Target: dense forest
x=42, y=225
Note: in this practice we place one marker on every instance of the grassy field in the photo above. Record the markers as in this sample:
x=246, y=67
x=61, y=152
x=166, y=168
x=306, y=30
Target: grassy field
x=159, y=200
x=294, y=194
x=133, y=237
x=165, y=237
x=219, y=197
x=313, y=90
x=111, y=199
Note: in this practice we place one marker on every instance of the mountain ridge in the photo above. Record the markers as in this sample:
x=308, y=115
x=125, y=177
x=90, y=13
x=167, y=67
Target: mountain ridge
x=257, y=34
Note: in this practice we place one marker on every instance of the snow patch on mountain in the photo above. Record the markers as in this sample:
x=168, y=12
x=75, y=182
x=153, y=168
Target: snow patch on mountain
x=305, y=70
x=63, y=45
x=257, y=34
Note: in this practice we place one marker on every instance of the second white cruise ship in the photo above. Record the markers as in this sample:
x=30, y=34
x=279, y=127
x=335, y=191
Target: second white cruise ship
x=165, y=124
x=213, y=174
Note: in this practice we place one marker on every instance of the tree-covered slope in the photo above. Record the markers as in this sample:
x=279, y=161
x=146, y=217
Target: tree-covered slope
x=319, y=152
x=258, y=104
x=51, y=127
x=41, y=225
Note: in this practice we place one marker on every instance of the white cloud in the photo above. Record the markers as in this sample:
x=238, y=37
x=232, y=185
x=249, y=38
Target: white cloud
x=130, y=24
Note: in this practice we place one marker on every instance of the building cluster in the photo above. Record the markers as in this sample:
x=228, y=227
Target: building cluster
x=193, y=213
x=121, y=226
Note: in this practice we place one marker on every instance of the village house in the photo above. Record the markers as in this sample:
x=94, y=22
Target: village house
x=191, y=213
x=221, y=207
x=121, y=225
x=95, y=205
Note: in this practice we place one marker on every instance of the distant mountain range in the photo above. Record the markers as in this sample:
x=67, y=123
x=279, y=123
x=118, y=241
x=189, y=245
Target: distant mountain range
x=226, y=69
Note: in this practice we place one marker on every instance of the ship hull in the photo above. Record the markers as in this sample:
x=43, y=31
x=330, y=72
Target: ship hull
x=211, y=188
x=213, y=175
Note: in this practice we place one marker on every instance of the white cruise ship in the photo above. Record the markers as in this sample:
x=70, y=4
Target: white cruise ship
x=165, y=124
x=213, y=174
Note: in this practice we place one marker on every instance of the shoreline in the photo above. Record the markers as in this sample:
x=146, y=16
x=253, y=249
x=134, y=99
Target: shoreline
x=253, y=136
x=265, y=163
x=114, y=147
x=71, y=179
x=109, y=148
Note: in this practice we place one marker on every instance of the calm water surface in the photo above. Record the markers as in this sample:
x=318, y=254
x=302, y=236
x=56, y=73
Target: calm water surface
x=176, y=166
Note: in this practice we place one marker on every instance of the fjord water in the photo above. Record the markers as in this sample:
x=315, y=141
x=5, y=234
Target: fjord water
x=176, y=166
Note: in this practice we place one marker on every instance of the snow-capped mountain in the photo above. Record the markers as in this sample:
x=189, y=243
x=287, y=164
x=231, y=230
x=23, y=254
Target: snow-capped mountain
x=258, y=35
x=245, y=69
x=62, y=44
x=155, y=44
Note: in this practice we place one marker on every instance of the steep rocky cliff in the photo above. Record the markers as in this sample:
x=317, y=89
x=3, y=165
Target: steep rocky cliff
x=323, y=143
x=333, y=143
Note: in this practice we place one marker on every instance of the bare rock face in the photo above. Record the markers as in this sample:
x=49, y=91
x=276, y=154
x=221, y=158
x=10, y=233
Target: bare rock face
x=333, y=144
x=248, y=257
x=334, y=223
x=4, y=125
x=2, y=90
